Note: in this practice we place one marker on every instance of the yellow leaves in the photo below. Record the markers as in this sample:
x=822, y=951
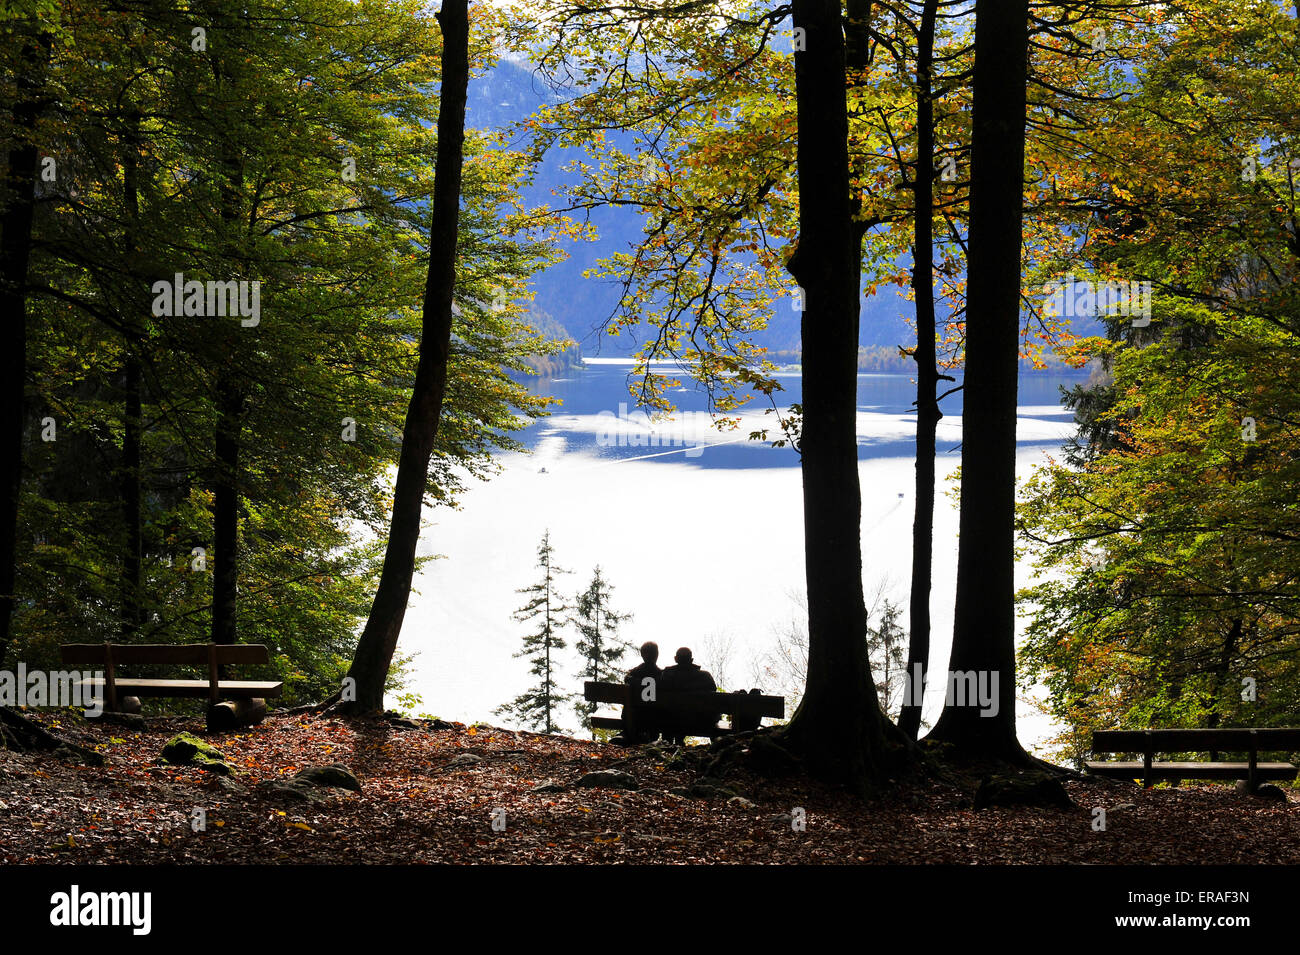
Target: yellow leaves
x=301, y=825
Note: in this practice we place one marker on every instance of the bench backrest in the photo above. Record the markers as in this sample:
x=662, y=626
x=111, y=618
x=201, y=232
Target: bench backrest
x=733, y=704
x=1230, y=739
x=187, y=654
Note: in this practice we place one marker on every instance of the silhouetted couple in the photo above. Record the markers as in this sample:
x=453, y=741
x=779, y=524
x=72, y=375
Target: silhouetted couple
x=645, y=683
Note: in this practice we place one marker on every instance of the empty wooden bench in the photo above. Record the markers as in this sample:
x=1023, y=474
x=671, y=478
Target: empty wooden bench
x=753, y=706
x=249, y=696
x=1148, y=743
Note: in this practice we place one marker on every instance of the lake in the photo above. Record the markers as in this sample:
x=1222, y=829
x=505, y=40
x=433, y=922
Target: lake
x=699, y=532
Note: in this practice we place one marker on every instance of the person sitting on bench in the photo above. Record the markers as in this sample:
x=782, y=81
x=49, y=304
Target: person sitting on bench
x=639, y=722
x=688, y=677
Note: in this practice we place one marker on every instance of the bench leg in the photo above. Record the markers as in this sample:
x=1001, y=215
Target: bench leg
x=234, y=714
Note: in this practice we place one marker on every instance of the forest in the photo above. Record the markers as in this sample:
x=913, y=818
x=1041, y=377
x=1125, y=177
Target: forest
x=277, y=291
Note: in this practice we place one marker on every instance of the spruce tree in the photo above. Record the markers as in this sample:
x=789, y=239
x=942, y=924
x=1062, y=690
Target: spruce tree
x=537, y=706
x=599, y=643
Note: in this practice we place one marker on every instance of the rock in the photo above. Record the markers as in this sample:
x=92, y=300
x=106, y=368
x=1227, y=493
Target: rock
x=464, y=759
x=334, y=776
x=129, y=705
x=313, y=784
x=228, y=785
x=740, y=802
x=680, y=791
x=548, y=786
x=295, y=789
x=186, y=749
x=132, y=721
x=1123, y=807
x=609, y=779
x=1022, y=789
x=407, y=722
x=79, y=755
x=705, y=790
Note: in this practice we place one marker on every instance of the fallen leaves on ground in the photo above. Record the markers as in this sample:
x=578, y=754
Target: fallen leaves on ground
x=417, y=808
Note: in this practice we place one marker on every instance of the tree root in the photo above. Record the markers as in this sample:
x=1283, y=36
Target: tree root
x=26, y=735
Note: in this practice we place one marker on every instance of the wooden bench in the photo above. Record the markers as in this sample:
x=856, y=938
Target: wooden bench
x=1213, y=741
x=753, y=706
x=250, y=695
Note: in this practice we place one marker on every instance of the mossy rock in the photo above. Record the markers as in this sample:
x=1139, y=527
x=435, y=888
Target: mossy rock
x=186, y=749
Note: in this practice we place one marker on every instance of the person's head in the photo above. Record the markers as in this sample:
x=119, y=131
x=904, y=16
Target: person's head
x=683, y=656
x=649, y=651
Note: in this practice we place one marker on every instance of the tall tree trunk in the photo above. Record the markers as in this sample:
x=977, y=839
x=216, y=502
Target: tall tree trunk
x=838, y=729
x=984, y=626
x=927, y=379
x=15, y=253
x=230, y=397
x=378, y=641
x=225, y=510
x=132, y=611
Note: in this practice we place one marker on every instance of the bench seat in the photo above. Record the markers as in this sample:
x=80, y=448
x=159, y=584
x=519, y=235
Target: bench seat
x=1194, y=770
x=1276, y=740
x=707, y=704
x=241, y=689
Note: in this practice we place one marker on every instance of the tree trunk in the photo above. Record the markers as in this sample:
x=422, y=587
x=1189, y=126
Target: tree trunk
x=225, y=510
x=15, y=253
x=378, y=641
x=838, y=729
x=230, y=413
x=984, y=628
x=132, y=611
x=927, y=379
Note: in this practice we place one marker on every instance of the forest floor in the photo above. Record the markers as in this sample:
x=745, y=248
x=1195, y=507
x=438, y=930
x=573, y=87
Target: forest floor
x=430, y=793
